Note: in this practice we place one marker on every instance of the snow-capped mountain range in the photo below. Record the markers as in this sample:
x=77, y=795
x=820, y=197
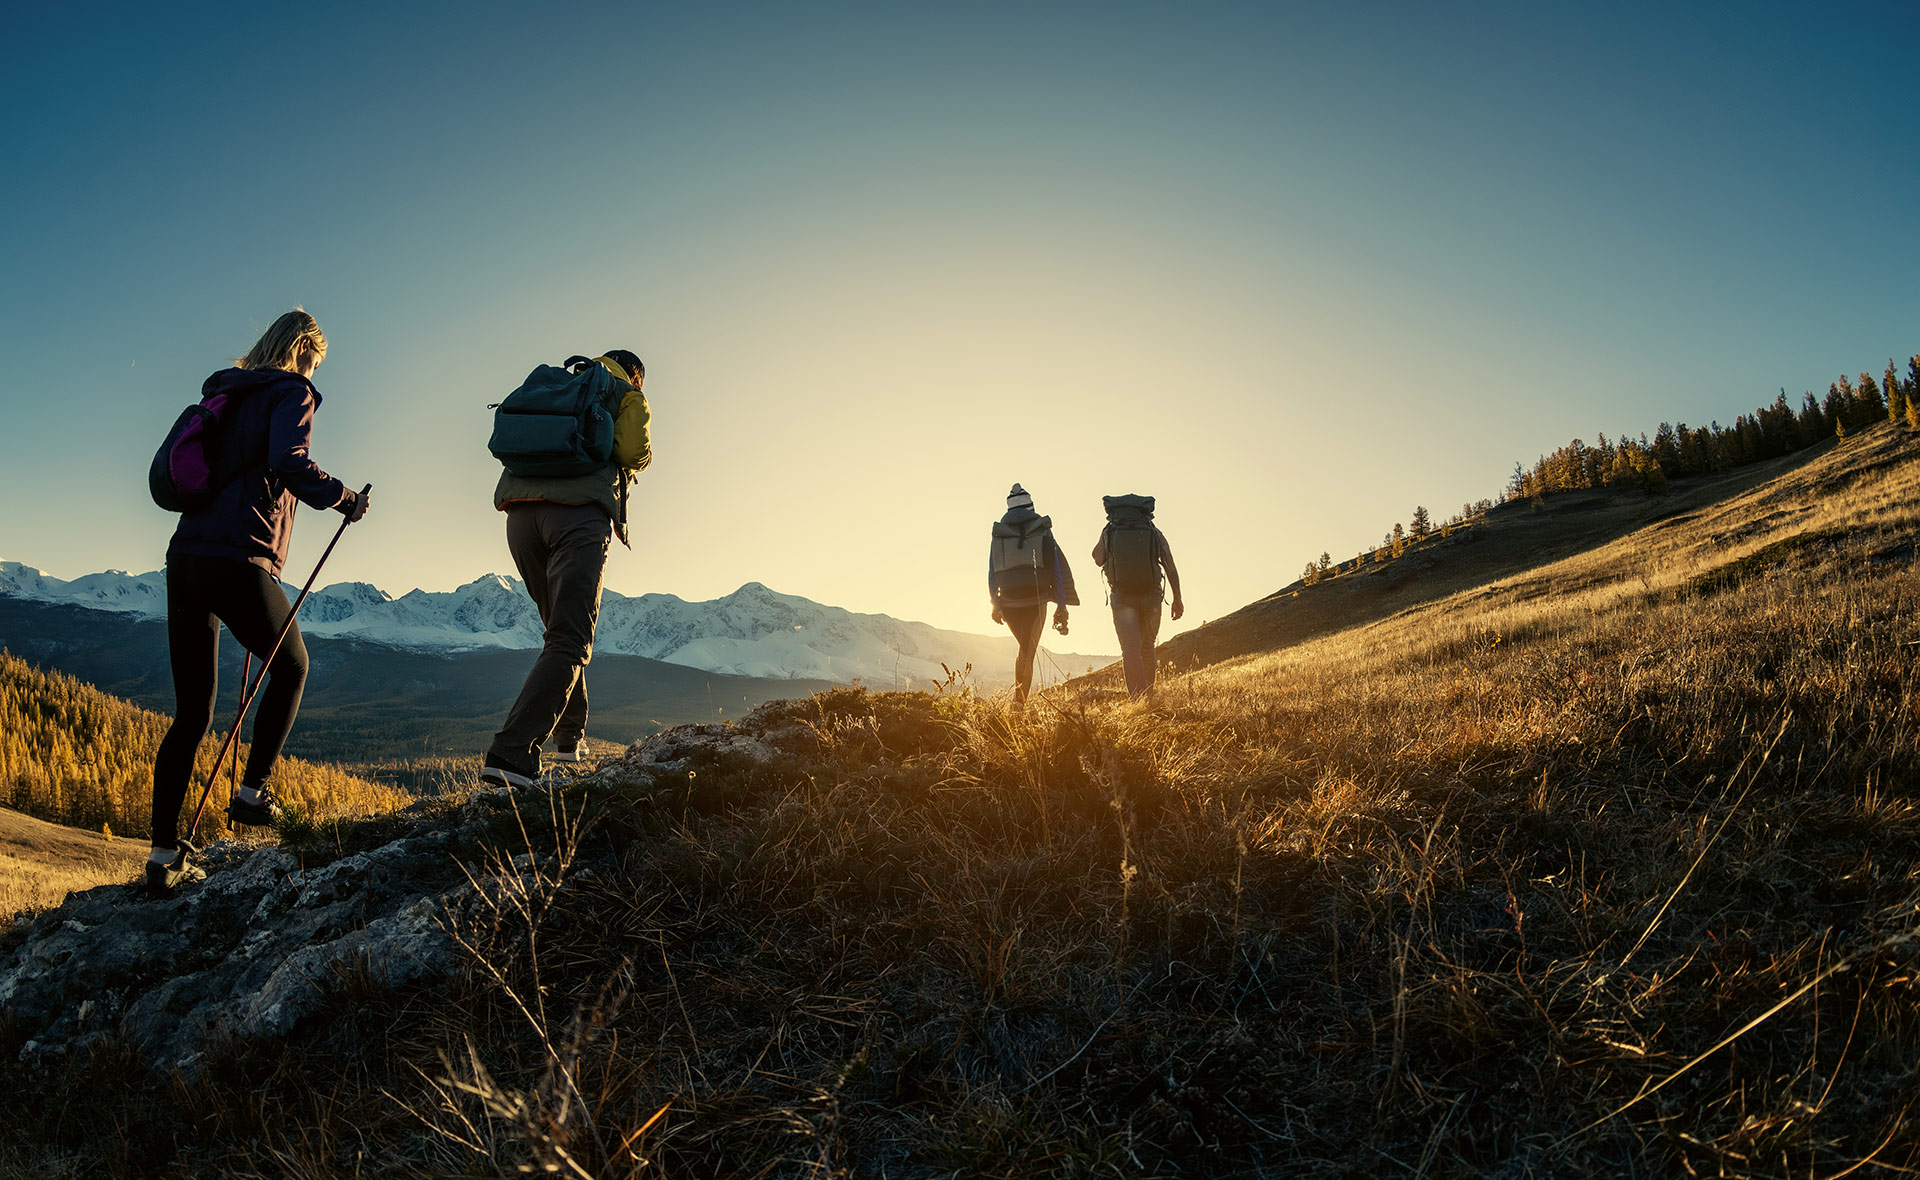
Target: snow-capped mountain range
x=754, y=631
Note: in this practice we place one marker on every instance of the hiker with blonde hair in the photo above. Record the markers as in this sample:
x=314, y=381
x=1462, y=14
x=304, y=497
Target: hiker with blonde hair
x=1025, y=571
x=223, y=566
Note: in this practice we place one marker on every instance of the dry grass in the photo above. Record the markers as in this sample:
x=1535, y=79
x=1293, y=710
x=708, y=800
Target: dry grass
x=1605, y=870
x=41, y=862
x=29, y=886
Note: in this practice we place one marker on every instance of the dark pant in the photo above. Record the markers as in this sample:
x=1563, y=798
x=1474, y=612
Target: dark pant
x=202, y=593
x=1136, y=620
x=561, y=552
x=1028, y=624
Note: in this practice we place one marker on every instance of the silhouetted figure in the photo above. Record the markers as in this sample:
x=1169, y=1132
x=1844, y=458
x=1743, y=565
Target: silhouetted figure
x=1025, y=571
x=223, y=566
x=1134, y=555
x=563, y=511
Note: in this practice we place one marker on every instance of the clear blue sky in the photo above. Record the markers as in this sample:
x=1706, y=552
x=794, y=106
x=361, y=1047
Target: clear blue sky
x=1292, y=270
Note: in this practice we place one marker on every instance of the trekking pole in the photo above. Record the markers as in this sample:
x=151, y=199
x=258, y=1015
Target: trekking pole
x=246, y=699
x=246, y=670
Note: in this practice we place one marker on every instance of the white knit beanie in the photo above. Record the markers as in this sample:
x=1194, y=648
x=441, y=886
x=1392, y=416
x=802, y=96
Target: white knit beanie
x=1018, y=498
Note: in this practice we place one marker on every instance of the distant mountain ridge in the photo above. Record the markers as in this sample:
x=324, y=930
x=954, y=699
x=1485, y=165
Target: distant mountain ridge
x=755, y=631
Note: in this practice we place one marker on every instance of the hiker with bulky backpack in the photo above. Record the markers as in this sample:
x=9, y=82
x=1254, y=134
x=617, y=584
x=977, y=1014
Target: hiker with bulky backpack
x=570, y=440
x=1134, y=554
x=236, y=466
x=1025, y=571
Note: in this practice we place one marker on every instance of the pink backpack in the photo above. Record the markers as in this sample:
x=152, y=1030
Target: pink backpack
x=189, y=468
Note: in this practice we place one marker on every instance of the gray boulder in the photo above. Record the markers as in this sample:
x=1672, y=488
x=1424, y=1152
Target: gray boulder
x=265, y=942
x=250, y=952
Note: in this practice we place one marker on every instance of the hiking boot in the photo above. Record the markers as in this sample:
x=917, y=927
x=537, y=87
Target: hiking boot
x=570, y=750
x=164, y=879
x=263, y=814
x=499, y=772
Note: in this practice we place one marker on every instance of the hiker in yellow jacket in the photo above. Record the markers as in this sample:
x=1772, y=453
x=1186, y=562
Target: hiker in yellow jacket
x=559, y=530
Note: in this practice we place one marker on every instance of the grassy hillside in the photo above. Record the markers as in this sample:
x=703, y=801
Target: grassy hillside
x=1514, y=537
x=40, y=862
x=1606, y=869
x=367, y=703
x=73, y=755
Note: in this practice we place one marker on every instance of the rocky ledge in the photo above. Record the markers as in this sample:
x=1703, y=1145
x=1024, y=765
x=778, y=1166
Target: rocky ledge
x=266, y=940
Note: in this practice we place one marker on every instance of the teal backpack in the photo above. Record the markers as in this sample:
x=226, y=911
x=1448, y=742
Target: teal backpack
x=559, y=423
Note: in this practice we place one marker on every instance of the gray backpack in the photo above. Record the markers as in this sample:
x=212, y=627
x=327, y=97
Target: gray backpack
x=1133, y=554
x=1019, y=571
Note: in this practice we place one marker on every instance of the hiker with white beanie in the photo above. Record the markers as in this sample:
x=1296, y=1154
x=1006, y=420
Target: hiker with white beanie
x=1025, y=571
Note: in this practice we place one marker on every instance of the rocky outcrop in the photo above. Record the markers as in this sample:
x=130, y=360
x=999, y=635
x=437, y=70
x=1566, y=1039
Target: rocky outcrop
x=267, y=940
x=251, y=951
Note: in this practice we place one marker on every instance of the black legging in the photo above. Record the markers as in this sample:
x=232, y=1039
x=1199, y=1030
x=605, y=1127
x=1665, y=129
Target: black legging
x=203, y=592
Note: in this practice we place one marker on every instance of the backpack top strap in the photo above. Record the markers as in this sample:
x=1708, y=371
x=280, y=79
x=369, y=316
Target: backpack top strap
x=576, y=359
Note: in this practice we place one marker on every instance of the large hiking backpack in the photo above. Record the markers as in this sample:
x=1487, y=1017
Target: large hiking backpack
x=1133, y=556
x=1019, y=571
x=192, y=464
x=559, y=422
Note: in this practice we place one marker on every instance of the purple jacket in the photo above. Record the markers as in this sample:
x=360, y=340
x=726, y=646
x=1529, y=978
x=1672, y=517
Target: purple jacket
x=251, y=518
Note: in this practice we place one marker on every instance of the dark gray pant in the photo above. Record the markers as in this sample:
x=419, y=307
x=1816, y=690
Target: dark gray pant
x=1136, y=621
x=561, y=553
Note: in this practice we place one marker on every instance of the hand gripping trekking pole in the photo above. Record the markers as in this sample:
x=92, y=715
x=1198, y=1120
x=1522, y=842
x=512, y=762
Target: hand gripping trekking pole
x=246, y=698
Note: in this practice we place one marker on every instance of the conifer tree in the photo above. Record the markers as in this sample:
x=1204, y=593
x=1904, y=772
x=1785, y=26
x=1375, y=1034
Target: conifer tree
x=1719, y=459
x=1647, y=475
x=1689, y=450
x=1872, y=406
x=1666, y=448
x=1778, y=427
x=1398, y=540
x=1621, y=472
x=1326, y=563
x=1897, y=395
x=1835, y=409
x=1422, y=522
x=1813, y=424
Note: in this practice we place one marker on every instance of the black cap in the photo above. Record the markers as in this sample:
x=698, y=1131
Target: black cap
x=628, y=361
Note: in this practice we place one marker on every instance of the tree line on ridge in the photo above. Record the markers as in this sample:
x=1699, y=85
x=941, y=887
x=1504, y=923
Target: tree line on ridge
x=1674, y=452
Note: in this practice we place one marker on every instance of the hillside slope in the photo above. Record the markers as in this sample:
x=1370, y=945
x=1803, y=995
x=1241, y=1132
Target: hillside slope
x=73, y=755
x=1510, y=540
x=1604, y=869
x=41, y=862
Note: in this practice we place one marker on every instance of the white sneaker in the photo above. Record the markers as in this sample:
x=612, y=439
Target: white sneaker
x=574, y=753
